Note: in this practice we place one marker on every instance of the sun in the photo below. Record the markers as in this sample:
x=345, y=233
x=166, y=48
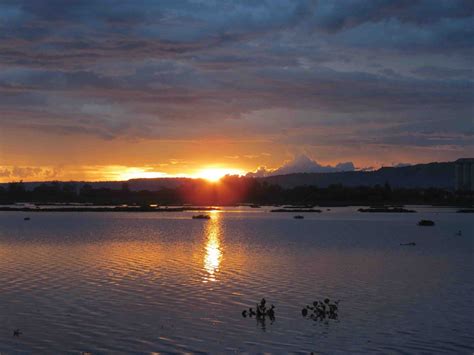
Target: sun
x=215, y=174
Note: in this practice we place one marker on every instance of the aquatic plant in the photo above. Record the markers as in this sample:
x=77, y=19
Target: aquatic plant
x=202, y=216
x=386, y=210
x=296, y=210
x=261, y=311
x=321, y=310
x=426, y=222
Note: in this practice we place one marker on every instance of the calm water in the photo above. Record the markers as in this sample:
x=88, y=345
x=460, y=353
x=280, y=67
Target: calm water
x=151, y=282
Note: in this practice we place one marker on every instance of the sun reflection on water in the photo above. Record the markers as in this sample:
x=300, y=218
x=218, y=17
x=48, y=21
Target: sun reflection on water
x=213, y=252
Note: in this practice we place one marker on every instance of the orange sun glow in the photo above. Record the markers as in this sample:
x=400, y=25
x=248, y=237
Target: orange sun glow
x=212, y=174
x=215, y=174
x=136, y=173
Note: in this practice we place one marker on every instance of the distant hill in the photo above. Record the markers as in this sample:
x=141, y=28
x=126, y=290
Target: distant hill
x=133, y=184
x=439, y=175
x=421, y=175
x=156, y=184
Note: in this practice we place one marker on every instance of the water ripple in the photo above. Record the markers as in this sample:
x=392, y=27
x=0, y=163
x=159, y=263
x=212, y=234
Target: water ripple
x=144, y=283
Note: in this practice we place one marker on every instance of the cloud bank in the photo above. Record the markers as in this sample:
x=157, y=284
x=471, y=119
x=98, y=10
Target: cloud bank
x=338, y=78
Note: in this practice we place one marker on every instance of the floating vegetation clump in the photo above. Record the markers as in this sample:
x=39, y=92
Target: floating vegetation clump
x=426, y=222
x=261, y=312
x=321, y=310
x=202, y=216
x=293, y=210
x=386, y=210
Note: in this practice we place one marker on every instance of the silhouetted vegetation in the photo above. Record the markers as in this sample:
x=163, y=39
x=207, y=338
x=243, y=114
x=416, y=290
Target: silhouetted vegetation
x=386, y=209
x=465, y=211
x=261, y=313
x=320, y=310
x=295, y=210
x=232, y=190
x=202, y=216
x=426, y=222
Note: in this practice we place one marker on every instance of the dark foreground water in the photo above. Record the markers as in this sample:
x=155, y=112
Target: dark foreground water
x=151, y=282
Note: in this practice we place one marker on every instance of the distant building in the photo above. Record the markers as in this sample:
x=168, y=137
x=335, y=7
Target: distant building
x=464, y=172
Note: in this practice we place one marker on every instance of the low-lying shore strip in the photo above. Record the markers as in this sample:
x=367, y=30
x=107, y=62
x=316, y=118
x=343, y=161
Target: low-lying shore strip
x=386, y=209
x=108, y=209
x=91, y=208
x=292, y=210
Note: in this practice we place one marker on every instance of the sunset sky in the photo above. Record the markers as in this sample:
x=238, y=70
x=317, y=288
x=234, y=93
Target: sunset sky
x=108, y=90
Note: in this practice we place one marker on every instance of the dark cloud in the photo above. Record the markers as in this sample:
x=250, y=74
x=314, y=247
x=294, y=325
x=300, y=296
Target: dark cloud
x=435, y=72
x=339, y=15
x=190, y=69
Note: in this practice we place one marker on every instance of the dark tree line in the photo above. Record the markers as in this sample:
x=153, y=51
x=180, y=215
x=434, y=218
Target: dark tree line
x=229, y=191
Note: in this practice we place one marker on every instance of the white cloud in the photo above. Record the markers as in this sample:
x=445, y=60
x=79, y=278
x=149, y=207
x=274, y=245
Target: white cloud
x=303, y=164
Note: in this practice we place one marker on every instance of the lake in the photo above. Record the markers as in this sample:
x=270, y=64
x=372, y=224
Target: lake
x=163, y=282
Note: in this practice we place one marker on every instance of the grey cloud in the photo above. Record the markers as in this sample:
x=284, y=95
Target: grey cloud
x=429, y=71
x=168, y=69
x=339, y=15
x=401, y=165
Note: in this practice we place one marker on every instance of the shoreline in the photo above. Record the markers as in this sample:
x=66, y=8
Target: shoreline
x=108, y=209
x=369, y=209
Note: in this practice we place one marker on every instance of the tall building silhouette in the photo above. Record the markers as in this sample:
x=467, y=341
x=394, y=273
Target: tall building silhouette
x=464, y=172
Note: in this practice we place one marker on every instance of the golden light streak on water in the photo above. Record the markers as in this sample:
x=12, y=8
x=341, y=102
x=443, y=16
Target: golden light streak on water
x=213, y=252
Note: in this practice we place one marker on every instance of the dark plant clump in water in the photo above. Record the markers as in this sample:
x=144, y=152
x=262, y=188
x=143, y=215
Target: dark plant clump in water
x=202, y=216
x=261, y=311
x=426, y=222
x=295, y=210
x=320, y=310
x=466, y=211
x=386, y=210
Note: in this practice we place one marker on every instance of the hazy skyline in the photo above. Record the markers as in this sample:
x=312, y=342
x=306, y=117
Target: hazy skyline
x=100, y=90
